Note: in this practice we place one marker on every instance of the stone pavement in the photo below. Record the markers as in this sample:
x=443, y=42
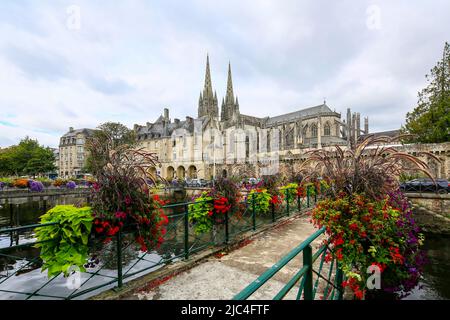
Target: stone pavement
x=223, y=277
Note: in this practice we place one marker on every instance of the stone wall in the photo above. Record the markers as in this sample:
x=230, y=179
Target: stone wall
x=431, y=211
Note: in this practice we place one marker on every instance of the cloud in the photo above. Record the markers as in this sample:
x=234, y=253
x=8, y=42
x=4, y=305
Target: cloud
x=129, y=60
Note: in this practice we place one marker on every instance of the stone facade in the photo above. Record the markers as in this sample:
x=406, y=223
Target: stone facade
x=181, y=144
x=72, y=153
x=200, y=147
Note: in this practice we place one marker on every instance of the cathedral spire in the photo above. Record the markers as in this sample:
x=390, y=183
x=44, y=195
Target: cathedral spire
x=208, y=103
x=207, y=90
x=229, y=99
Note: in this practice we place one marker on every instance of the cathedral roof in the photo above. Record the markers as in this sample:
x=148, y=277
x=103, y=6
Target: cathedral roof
x=304, y=113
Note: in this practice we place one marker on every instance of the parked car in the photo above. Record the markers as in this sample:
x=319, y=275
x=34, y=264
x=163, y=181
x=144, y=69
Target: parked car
x=426, y=185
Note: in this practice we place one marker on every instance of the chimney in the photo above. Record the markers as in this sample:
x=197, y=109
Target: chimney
x=358, y=124
x=366, y=125
x=166, y=113
x=71, y=129
x=176, y=120
x=348, y=128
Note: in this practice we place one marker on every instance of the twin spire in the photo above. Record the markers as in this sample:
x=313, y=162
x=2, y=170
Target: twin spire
x=207, y=104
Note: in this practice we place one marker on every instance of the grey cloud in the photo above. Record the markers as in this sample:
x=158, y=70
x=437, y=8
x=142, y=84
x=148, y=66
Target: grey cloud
x=38, y=63
x=109, y=87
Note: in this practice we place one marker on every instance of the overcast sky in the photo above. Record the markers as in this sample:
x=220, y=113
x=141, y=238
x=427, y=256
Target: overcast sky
x=81, y=63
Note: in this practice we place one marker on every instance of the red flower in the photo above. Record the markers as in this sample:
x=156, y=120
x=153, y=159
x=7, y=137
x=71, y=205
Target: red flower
x=99, y=230
x=127, y=200
x=338, y=241
x=354, y=226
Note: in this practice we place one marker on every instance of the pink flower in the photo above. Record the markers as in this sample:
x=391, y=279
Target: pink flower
x=127, y=200
x=121, y=215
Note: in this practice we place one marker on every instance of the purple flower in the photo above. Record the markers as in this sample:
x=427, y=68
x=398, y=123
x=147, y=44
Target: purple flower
x=121, y=215
x=71, y=185
x=36, y=186
x=2, y=185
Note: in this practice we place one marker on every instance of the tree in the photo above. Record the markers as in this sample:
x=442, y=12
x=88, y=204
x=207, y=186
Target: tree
x=429, y=122
x=28, y=157
x=109, y=136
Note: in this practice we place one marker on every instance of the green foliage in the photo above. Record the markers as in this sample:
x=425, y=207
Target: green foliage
x=289, y=191
x=311, y=188
x=7, y=181
x=430, y=119
x=64, y=244
x=200, y=213
x=26, y=158
x=260, y=198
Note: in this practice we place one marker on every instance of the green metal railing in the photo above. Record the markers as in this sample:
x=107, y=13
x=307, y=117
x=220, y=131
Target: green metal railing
x=118, y=261
x=303, y=280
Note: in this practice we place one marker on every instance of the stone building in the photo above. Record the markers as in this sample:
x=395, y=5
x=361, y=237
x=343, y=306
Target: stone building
x=199, y=148
x=72, y=153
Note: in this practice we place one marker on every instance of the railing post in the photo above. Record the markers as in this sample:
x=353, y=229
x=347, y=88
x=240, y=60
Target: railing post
x=339, y=280
x=186, y=231
x=253, y=212
x=307, y=261
x=299, y=202
x=273, y=211
x=119, y=260
x=315, y=194
x=287, y=201
x=227, y=234
x=307, y=196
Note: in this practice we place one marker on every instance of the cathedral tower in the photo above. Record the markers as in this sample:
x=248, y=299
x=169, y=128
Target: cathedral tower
x=207, y=104
x=230, y=106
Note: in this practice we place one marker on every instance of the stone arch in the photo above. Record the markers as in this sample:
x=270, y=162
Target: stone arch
x=314, y=130
x=170, y=173
x=327, y=129
x=192, y=172
x=181, y=172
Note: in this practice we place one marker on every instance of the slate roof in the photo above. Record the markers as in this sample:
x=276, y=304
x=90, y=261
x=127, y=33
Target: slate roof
x=73, y=133
x=303, y=113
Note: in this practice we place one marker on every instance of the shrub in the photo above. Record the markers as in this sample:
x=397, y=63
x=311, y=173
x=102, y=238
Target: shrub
x=71, y=185
x=21, y=183
x=289, y=191
x=45, y=181
x=261, y=199
x=121, y=196
x=365, y=232
x=224, y=187
x=59, y=182
x=367, y=221
x=36, y=186
x=64, y=244
x=201, y=212
x=7, y=182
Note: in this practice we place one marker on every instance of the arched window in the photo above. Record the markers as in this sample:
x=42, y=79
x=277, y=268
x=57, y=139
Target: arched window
x=314, y=131
x=326, y=129
x=290, y=138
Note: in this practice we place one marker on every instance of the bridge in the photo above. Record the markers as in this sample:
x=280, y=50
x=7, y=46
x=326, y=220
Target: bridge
x=279, y=248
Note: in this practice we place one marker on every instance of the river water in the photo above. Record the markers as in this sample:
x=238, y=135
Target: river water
x=435, y=283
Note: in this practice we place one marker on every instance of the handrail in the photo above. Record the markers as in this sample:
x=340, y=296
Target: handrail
x=262, y=279
x=233, y=226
